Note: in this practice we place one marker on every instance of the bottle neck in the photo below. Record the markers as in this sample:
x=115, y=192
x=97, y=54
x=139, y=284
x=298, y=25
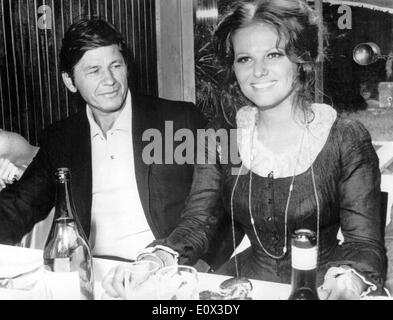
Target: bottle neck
x=63, y=204
x=304, y=279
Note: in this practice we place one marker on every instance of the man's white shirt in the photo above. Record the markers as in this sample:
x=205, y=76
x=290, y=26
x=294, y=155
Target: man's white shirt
x=118, y=223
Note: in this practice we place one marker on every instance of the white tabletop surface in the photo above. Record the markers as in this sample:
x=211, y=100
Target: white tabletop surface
x=262, y=290
x=17, y=259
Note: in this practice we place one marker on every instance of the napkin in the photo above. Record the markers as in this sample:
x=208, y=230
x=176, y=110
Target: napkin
x=20, y=268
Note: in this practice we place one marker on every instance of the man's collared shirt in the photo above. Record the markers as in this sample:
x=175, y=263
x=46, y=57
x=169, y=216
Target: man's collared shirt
x=118, y=223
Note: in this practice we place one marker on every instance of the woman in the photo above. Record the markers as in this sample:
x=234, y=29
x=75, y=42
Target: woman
x=302, y=166
x=15, y=155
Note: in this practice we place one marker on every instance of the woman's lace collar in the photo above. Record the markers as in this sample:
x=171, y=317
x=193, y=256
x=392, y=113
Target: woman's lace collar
x=264, y=161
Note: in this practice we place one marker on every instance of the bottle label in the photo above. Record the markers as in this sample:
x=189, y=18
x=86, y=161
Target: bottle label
x=62, y=285
x=62, y=265
x=304, y=259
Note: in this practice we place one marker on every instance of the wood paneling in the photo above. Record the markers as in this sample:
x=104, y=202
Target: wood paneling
x=32, y=94
x=175, y=35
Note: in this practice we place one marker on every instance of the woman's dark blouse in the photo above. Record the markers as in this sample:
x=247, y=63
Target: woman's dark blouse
x=347, y=179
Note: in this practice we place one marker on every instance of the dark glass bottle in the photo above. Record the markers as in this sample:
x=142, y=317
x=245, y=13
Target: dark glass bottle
x=67, y=256
x=304, y=265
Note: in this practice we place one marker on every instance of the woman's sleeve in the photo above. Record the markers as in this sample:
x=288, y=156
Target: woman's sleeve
x=203, y=210
x=360, y=214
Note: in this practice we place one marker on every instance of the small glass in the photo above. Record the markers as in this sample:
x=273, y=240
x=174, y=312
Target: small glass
x=178, y=282
x=140, y=280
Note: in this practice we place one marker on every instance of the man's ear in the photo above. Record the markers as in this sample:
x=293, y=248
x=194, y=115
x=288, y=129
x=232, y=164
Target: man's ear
x=69, y=83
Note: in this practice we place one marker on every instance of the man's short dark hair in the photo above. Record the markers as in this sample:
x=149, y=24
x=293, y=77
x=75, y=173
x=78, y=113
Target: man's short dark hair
x=88, y=34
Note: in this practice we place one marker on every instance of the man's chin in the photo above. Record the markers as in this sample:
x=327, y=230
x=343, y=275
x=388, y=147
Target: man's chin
x=112, y=104
x=112, y=108
x=107, y=107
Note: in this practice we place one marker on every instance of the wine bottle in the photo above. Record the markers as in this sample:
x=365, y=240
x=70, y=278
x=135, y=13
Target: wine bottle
x=304, y=265
x=68, y=271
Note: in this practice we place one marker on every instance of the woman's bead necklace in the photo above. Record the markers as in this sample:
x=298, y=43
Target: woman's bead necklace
x=285, y=248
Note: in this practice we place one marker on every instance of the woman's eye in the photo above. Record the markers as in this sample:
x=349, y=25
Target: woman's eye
x=274, y=55
x=243, y=59
x=117, y=66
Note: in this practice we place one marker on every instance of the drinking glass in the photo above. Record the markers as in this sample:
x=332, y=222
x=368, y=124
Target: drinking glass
x=140, y=280
x=178, y=282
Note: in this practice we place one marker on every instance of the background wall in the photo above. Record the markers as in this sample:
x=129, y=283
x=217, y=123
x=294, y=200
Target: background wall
x=32, y=94
x=345, y=79
x=175, y=49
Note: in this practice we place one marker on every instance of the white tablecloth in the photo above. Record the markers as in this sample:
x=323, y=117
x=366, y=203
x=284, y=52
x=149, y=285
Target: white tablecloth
x=16, y=260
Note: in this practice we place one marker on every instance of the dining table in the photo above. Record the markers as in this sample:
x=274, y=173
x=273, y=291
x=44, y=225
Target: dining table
x=24, y=266
x=18, y=263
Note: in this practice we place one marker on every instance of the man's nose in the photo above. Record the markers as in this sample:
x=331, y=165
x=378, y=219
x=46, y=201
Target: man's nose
x=109, y=79
x=260, y=69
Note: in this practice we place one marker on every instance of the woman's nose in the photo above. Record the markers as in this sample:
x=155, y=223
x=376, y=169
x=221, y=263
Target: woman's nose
x=260, y=69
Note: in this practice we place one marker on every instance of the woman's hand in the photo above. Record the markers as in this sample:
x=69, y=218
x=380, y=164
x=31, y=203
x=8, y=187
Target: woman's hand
x=341, y=284
x=389, y=286
x=113, y=282
x=162, y=257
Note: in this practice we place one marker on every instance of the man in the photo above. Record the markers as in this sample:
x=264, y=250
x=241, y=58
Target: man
x=123, y=203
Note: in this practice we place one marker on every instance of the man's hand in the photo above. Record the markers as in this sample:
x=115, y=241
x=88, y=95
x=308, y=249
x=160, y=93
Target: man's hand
x=340, y=285
x=113, y=282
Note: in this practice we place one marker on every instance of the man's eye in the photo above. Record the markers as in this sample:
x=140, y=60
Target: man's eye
x=117, y=66
x=93, y=71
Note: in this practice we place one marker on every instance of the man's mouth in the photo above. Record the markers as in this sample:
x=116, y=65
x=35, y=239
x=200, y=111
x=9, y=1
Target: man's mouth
x=110, y=94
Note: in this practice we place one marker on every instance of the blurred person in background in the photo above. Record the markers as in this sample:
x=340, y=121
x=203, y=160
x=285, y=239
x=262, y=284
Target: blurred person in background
x=15, y=155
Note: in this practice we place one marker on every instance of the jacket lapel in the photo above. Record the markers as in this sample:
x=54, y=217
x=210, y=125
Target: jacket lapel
x=141, y=121
x=81, y=170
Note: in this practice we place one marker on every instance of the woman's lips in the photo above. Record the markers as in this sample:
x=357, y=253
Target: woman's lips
x=263, y=85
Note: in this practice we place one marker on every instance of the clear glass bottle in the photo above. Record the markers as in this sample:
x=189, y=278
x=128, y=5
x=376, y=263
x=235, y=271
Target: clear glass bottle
x=304, y=265
x=68, y=270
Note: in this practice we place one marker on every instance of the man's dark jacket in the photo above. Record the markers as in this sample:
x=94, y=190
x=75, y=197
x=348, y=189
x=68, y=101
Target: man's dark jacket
x=163, y=188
